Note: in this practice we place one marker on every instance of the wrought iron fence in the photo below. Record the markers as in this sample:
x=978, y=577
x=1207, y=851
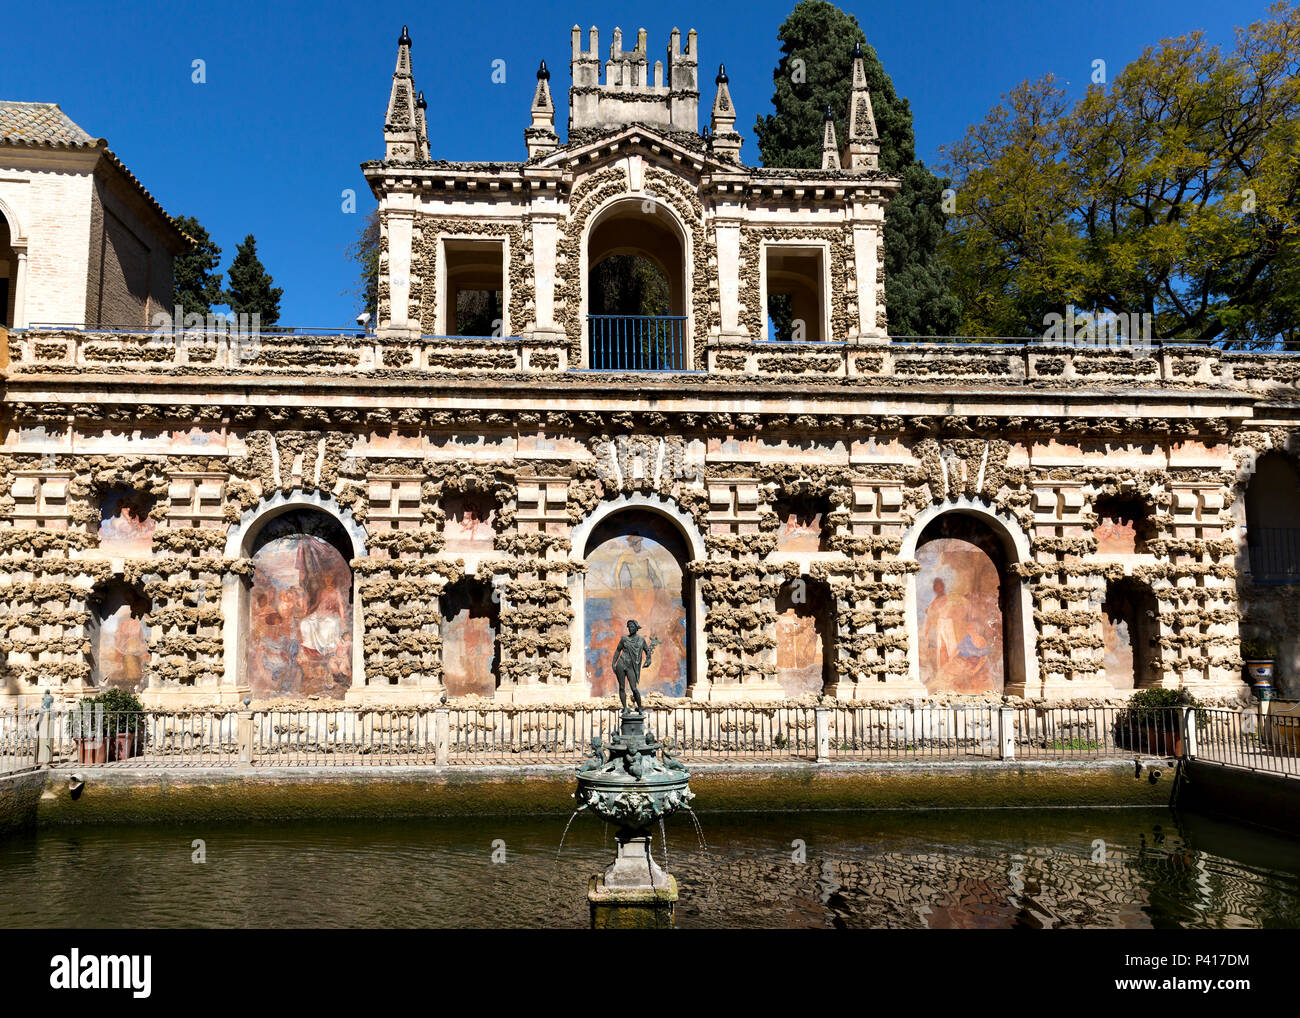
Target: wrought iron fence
x=637, y=342
x=496, y=734
x=907, y=732
x=1260, y=741
x=18, y=745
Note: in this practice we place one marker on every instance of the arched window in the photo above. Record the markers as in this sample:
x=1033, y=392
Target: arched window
x=8, y=275
x=300, y=617
x=468, y=524
x=805, y=636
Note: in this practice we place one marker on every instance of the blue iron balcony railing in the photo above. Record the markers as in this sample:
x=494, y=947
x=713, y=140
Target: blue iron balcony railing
x=1274, y=554
x=637, y=342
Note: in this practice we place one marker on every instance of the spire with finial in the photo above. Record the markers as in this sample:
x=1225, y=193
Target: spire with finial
x=863, y=149
x=830, y=150
x=422, y=125
x=726, y=140
x=540, y=136
x=402, y=124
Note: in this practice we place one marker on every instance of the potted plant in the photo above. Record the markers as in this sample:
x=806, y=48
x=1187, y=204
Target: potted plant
x=1152, y=722
x=86, y=727
x=123, y=722
x=1259, y=653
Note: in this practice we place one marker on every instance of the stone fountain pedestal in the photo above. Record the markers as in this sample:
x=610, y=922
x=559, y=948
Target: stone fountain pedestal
x=634, y=788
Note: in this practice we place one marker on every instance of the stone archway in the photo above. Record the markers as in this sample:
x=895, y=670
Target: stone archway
x=617, y=337
x=636, y=550
x=969, y=618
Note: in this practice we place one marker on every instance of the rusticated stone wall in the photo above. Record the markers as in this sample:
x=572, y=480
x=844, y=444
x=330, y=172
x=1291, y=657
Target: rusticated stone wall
x=721, y=480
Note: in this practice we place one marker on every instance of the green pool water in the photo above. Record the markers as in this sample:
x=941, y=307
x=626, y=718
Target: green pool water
x=987, y=869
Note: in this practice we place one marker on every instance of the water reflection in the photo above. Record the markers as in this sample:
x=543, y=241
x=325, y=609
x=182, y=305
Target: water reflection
x=1068, y=868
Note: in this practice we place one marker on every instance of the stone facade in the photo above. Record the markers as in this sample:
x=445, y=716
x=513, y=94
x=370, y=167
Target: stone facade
x=846, y=516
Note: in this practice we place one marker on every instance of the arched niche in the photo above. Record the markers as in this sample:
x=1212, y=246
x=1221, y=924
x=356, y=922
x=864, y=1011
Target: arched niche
x=637, y=550
x=125, y=524
x=118, y=632
x=968, y=616
x=1273, y=520
x=802, y=523
x=805, y=636
x=469, y=627
x=1130, y=651
x=296, y=627
x=1124, y=525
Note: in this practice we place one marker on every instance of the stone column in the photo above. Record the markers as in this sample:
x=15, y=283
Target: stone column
x=545, y=236
x=727, y=232
x=20, y=291
x=866, y=241
x=400, y=220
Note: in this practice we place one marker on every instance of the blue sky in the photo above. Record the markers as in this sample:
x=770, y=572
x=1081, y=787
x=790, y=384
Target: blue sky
x=296, y=92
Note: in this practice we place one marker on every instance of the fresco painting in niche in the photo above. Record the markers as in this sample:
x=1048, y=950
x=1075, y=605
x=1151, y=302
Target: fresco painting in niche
x=121, y=641
x=1117, y=650
x=960, y=616
x=468, y=631
x=801, y=529
x=300, y=610
x=1116, y=535
x=634, y=571
x=469, y=523
x=126, y=527
x=801, y=624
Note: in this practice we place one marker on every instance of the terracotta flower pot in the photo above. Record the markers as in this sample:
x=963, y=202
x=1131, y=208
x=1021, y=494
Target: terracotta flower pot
x=92, y=750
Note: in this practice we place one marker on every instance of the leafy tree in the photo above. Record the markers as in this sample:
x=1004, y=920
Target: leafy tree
x=814, y=72
x=250, y=290
x=627, y=285
x=1173, y=192
x=196, y=281
x=364, y=252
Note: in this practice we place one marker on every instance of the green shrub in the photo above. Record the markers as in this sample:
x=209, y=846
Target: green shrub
x=1146, y=706
x=1258, y=648
x=115, y=708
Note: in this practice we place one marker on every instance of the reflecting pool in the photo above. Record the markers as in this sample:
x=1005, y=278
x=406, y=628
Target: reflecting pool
x=986, y=869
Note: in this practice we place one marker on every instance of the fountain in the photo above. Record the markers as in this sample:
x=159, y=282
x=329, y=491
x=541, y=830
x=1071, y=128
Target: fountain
x=635, y=784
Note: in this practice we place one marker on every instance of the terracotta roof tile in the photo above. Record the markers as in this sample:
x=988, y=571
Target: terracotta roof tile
x=41, y=124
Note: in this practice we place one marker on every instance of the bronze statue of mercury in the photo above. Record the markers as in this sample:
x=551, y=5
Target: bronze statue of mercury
x=628, y=663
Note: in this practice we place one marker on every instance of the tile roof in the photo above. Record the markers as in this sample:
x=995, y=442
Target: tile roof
x=41, y=124
x=44, y=124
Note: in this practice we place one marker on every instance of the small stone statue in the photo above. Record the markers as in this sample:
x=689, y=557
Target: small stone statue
x=670, y=757
x=628, y=663
x=597, y=759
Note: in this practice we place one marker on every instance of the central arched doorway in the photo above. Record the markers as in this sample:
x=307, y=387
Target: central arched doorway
x=636, y=570
x=300, y=617
x=636, y=289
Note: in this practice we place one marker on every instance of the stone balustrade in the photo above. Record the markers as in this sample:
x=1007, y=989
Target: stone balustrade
x=1000, y=365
